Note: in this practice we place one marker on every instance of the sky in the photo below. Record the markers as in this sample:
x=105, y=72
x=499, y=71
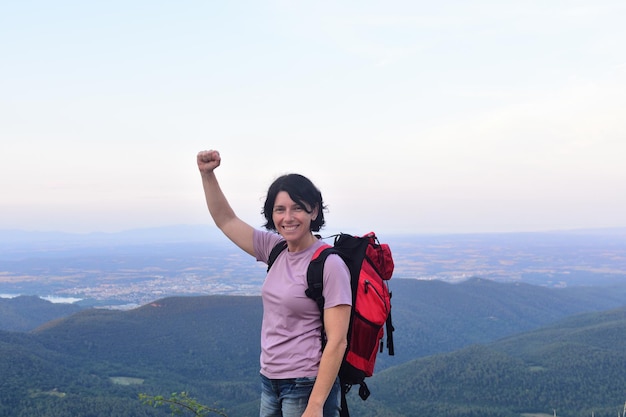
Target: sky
x=410, y=116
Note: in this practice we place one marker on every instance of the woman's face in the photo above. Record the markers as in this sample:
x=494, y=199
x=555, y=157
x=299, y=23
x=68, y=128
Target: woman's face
x=291, y=220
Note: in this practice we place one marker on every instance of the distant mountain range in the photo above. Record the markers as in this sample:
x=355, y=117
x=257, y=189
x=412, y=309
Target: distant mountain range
x=478, y=348
x=12, y=238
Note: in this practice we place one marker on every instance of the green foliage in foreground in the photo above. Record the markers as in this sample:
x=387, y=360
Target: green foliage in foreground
x=180, y=403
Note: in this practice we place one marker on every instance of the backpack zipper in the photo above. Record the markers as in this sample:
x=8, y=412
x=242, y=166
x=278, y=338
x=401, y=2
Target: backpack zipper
x=368, y=284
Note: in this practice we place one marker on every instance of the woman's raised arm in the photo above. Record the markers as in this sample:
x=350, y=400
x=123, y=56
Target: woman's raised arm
x=222, y=213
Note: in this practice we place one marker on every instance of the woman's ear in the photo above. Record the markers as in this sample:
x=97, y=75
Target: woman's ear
x=315, y=213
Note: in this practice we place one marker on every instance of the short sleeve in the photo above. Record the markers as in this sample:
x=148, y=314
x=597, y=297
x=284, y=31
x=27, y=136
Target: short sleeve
x=263, y=242
x=337, y=290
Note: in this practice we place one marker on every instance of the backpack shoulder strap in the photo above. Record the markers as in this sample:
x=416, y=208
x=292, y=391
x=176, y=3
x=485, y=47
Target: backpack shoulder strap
x=276, y=250
x=315, y=276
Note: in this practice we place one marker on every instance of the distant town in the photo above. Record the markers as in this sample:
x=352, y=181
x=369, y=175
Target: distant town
x=119, y=274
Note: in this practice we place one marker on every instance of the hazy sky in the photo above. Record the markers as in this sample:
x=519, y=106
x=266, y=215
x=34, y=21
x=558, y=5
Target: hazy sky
x=411, y=116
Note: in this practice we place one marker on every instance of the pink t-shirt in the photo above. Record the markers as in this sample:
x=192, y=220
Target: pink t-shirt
x=291, y=331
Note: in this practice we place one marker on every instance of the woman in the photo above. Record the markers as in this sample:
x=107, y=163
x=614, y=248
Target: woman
x=298, y=378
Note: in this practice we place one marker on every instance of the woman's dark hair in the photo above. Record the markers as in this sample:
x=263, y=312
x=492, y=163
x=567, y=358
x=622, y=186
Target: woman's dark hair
x=302, y=191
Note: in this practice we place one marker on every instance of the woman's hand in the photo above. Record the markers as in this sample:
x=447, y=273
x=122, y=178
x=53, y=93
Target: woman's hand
x=208, y=161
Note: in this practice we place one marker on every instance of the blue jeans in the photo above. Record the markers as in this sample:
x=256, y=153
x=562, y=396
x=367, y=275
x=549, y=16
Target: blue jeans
x=289, y=397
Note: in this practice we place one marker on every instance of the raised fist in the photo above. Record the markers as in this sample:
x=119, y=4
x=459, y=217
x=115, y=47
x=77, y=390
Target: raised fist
x=208, y=161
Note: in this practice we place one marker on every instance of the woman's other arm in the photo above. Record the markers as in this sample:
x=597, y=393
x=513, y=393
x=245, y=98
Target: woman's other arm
x=336, y=322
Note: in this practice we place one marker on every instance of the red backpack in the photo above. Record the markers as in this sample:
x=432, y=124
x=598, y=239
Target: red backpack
x=371, y=266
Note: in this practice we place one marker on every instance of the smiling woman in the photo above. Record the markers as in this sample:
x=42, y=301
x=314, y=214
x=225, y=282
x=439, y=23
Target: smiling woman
x=298, y=376
x=294, y=207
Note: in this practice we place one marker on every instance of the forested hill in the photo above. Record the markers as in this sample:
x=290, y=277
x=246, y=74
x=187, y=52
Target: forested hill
x=576, y=367
x=209, y=346
x=433, y=316
x=25, y=313
x=425, y=314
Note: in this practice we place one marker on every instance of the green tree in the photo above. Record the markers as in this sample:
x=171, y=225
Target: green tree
x=180, y=403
